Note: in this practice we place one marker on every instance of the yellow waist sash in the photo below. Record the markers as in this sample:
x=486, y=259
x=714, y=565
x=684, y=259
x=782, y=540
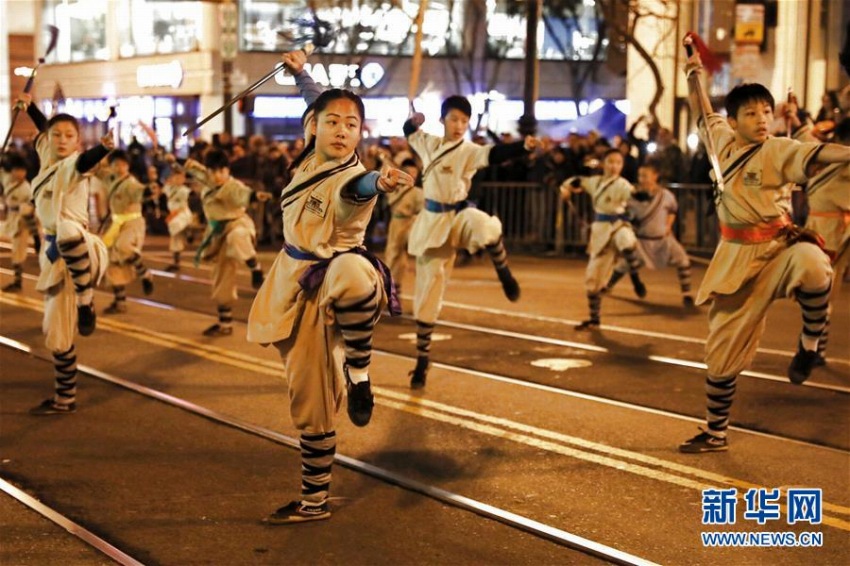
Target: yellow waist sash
x=118, y=220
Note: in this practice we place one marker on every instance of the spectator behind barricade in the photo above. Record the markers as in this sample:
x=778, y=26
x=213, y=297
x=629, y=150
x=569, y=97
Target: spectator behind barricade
x=669, y=158
x=137, y=153
x=154, y=204
x=630, y=163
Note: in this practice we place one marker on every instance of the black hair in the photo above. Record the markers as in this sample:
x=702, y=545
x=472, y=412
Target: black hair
x=842, y=131
x=409, y=163
x=63, y=118
x=746, y=93
x=216, y=159
x=651, y=164
x=318, y=107
x=14, y=161
x=118, y=154
x=610, y=152
x=456, y=102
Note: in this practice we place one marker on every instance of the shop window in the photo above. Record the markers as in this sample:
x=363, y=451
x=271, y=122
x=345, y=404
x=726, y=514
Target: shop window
x=82, y=29
x=567, y=30
x=374, y=28
x=149, y=27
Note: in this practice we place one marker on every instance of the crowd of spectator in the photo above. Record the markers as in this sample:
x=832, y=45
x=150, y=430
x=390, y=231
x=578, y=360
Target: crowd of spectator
x=264, y=164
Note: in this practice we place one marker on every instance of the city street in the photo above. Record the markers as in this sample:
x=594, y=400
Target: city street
x=532, y=443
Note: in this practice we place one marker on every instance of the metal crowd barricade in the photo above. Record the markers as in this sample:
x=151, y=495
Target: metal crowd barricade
x=535, y=219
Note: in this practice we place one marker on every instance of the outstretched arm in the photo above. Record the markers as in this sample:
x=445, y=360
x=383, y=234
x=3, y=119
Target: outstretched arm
x=90, y=158
x=503, y=152
x=24, y=102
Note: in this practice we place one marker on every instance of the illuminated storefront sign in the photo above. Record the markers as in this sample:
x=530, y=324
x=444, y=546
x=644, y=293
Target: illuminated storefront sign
x=337, y=75
x=167, y=74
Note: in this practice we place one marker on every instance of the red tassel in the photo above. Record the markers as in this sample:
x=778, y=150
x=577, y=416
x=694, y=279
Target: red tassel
x=711, y=62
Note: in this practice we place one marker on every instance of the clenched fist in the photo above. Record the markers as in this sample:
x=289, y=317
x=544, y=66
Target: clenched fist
x=392, y=180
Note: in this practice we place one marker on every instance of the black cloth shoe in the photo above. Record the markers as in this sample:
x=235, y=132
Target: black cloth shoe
x=640, y=288
x=86, y=319
x=419, y=375
x=360, y=400
x=117, y=307
x=802, y=364
x=51, y=407
x=218, y=330
x=12, y=287
x=173, y=268
x=509, y=284
x=297, y=512
x=256, y=278
x=821, y=361
x=688, y=301
x=589, y=324
x=147, y=285
x=704, y=442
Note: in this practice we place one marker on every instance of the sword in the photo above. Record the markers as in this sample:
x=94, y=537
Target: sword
x=719, y=185
x=51, y=45
x=307, y=49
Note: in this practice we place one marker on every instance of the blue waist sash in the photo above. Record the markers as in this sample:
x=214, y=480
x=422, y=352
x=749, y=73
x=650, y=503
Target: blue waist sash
x=610, y=217
x=436, y=206
x=52, y=250
x=312, y=279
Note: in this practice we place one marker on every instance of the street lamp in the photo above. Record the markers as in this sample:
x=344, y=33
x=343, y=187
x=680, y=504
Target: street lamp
x=228, y=18
x=528, y=122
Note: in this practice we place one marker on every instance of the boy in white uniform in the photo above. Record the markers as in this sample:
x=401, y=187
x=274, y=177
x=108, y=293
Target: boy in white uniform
x=657, y=246
x=611, y=233
x=230, y=238
x=448, y=222
x=72, y=260
x=19, y=224
x=404, y=207
x=124, y=233
x=829, y=216
x=761, y=256
x=179, y=214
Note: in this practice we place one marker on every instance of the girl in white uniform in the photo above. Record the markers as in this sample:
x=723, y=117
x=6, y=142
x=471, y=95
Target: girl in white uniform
x=19, y=223
x=324, y=293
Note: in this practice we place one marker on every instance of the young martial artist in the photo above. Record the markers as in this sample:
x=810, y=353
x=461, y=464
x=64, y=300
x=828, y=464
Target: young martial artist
x=72, y=260
x=179, y=214
x=124, y=232
x=404, y=207
x=653, y=221
x=761, y=256
x=19, y=224
x=829, y=216
x=325, y=292
x=230, y=239
x=611, y=233
x=447, y=221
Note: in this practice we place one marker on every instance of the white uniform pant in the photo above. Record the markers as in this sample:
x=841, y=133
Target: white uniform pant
x=736, y=321
x=601, y=265
x=471, y=230
x=313, y=354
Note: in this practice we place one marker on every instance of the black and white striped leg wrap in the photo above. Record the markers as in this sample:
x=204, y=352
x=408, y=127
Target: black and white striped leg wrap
x=65, y=373
x=423, y=338
x=594, y=301
x=719, y=393
x=225, y=316
x=76, y=256
x=120, y=292
x=317, y=456
x=498, y=254
x=138, y=265
x=632, y=259
x=815, y=306
x=357, y=323
x=684, y=274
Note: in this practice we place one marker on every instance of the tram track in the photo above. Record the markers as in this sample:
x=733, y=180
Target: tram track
x=482, y=509
x=699, y=478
